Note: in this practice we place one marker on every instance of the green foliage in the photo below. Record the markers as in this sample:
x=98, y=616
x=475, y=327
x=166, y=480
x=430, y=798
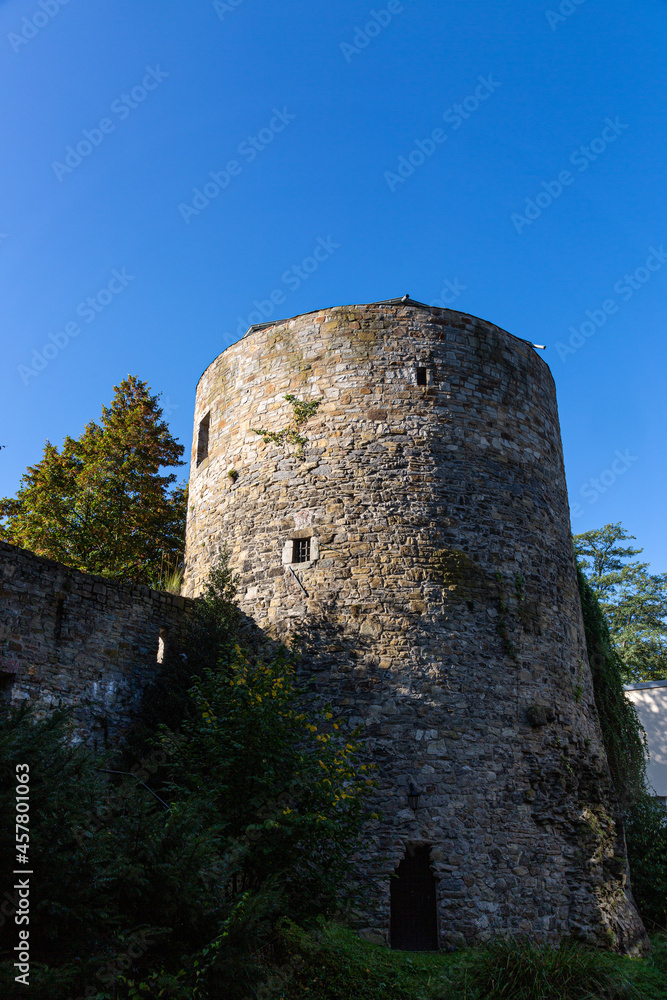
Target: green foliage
x=285, y=791
x=330, y=963
x=288, y=434
x=56, y=770
x=172, y=581
x=659, y=953
x=634, y=601
x=624, y=738
x=168, y=579
x=115, y=872
x=602, y=559
x=210, y=637
x=281, y=788
x=252, y=812
x=303, y=410
x=646, y=834
x=100, y=504
x=519, y=970
x=625, y=745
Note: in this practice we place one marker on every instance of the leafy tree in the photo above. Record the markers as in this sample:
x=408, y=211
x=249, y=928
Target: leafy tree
x=602, y=559
x=634, y=601
x=100, y=504
x=255, y=814
x=111, y=863
x=283, y=783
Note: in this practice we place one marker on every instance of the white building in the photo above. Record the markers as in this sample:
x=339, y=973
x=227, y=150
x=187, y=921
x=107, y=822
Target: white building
x=650, y=700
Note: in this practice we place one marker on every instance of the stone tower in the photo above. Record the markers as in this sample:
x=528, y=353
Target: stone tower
x=416, y=528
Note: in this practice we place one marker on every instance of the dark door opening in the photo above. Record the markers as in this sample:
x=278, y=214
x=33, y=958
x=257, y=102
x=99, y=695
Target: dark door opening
x=414, y=923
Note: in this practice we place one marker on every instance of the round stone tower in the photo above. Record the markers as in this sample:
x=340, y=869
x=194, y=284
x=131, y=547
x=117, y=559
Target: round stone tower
x=413, y=524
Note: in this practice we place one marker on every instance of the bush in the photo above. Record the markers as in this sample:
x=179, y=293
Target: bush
x=114, y=871
x=284, y=788
x=253, y=814
x=646, y=834
x=521, y=971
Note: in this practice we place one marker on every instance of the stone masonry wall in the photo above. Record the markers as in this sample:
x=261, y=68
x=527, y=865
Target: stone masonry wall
x=440, y=600
x=79, y=640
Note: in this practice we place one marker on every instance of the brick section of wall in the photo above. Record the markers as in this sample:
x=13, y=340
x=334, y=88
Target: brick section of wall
x=440, y=602
x=79, y=640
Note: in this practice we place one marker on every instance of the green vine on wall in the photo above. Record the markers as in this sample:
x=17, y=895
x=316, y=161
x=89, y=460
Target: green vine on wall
x=303, y=410
x=622, y=732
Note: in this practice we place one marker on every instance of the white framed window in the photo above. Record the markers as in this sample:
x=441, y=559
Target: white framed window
x=302, y=550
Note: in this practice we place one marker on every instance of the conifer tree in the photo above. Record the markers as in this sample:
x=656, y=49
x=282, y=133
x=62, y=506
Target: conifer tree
x=633, y=601
x=100, y=503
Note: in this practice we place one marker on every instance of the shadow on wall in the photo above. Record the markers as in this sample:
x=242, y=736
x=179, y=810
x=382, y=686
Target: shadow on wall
x=500, y=787
x=81, y=641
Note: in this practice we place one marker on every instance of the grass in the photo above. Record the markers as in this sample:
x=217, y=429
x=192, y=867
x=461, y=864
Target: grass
x=334, y=964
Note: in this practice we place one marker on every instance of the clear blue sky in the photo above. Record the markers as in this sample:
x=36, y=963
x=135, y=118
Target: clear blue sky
x=182, y=89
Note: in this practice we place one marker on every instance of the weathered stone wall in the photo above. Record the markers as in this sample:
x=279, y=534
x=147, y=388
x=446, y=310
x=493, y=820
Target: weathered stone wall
x=79, y=640
x=440, y=600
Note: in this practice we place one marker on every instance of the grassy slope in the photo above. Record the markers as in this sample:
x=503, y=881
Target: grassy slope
x=336, y=965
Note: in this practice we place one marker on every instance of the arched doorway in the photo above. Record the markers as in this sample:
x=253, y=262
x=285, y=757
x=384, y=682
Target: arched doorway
x=414, y=922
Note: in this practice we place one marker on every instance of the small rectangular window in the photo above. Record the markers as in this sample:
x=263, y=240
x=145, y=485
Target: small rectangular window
x=421, y=376
x=202, y=438
x=301, y=550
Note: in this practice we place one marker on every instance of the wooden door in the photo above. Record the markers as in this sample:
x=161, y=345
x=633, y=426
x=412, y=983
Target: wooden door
x=414, y=924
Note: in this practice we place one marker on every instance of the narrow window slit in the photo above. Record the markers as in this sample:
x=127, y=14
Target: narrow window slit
x=421, y=376
x=202, y=439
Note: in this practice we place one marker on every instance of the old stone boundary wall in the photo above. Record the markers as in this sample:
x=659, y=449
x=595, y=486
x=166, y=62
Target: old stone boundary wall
x=80, y=640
